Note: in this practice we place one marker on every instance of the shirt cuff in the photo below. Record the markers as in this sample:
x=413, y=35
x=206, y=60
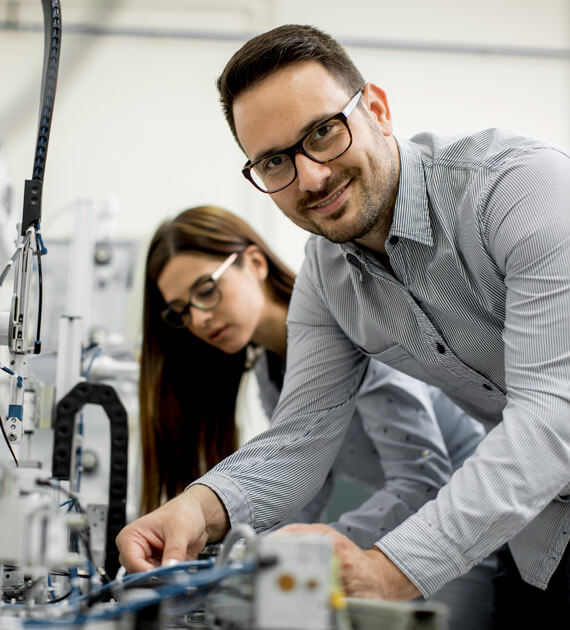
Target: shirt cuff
x=230, y=494
x=423, y=554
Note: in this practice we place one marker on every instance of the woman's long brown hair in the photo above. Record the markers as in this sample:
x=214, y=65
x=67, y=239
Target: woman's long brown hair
x=187, y=388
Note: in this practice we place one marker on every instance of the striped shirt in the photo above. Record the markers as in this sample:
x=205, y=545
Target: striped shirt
x=480, y=247
x=402, y=444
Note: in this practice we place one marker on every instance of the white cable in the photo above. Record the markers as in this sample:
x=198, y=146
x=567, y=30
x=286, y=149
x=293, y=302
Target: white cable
x=242, y=530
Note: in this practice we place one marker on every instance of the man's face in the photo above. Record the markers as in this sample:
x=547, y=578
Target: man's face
x=350, y=198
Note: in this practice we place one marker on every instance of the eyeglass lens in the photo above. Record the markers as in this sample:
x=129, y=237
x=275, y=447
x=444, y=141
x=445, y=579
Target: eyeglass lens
x=204, y=295
x=322, y=144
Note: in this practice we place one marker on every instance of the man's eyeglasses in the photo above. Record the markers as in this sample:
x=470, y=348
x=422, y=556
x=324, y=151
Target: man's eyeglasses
x=204, y=295
x=324, y=143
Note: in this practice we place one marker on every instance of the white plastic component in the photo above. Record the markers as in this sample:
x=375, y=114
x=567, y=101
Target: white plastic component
x=68, y=368
x=97, y=515
x=4, y=328
x=80, y=270
x=106, y=367
x=35, y=532
x=14, y=430
x=296, y=591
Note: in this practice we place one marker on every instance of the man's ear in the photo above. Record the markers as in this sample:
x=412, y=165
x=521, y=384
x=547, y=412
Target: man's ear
x=257, y=261
x=376, y=102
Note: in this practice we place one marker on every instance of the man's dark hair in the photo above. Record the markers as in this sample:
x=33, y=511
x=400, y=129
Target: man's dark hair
x=271, y=51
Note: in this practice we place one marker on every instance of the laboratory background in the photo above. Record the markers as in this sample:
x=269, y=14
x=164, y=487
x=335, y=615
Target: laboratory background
x=138, y=135
x=137, y=118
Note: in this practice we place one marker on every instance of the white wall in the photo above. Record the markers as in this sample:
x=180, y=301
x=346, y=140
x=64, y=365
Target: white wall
x=138, y=116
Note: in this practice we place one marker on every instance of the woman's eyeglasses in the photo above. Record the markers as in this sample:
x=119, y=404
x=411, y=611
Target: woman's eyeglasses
x=204, y=295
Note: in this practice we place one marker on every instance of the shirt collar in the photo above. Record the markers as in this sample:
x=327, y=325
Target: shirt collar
x=411, y=212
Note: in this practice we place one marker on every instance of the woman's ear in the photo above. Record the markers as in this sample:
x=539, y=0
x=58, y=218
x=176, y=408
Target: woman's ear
x=255, y=259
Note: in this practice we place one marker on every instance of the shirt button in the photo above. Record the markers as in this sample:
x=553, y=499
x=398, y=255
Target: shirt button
x=440, y=348
x=353, y=260
x=393, y=240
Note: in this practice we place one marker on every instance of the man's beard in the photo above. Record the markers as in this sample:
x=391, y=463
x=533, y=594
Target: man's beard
x=374, y=206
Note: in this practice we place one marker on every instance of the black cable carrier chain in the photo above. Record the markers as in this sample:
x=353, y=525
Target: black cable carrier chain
x=52, y=46
x=63, y=431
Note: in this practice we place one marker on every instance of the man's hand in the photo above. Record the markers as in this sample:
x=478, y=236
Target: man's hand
x=178, y=530
x=364, y=573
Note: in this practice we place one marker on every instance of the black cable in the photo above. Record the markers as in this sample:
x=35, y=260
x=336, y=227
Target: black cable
x=60, y=598
x=52, y=49
x=55, y=572
x=64, y=573
x=8, y=441
x=52, y=44
x=38, y=341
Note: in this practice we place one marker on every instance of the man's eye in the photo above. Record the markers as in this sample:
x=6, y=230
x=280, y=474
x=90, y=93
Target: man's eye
x=321, y=132
x=272, y=163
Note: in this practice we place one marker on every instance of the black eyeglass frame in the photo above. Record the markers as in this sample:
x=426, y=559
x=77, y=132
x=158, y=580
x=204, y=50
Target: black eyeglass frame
x=213, y=277
x=296, y=148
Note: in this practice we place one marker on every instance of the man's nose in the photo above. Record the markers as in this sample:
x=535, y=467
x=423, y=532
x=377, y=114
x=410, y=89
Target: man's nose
x=311, y=174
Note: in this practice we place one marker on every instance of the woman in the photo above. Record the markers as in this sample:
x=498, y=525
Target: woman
x=195, y=376
x=213, y=289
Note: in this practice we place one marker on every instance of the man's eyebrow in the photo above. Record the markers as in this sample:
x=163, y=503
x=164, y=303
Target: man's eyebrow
x=317, y=120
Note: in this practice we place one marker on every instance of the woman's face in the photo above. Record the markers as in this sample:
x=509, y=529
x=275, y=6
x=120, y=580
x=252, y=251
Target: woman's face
x=230, y=325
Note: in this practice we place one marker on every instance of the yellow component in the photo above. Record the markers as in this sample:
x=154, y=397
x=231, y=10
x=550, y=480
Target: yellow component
x=337, y=596
x=338, y=600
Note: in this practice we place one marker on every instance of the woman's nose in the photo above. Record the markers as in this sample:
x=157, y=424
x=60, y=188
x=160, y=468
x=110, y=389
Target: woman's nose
x=197, y=318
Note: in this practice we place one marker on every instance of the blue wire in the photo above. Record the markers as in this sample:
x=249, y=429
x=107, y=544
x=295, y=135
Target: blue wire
x=133, y=578
x=43, y=248
x=97, y=352
x=202, y=579
x=50, y=587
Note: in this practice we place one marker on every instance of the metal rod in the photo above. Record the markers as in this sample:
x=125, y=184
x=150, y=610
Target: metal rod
x=382, y=44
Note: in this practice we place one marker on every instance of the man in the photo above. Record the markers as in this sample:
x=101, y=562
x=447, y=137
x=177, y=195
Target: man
x=448, y=259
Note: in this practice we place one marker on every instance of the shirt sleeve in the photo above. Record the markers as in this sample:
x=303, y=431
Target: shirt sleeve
x=398, y=417
x=279, y=471
x=524, y=462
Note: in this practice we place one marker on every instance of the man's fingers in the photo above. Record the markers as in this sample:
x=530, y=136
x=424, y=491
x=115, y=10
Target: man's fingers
x=175, y=552
x=135, y=552
x=180, y=546
x=134, y=565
